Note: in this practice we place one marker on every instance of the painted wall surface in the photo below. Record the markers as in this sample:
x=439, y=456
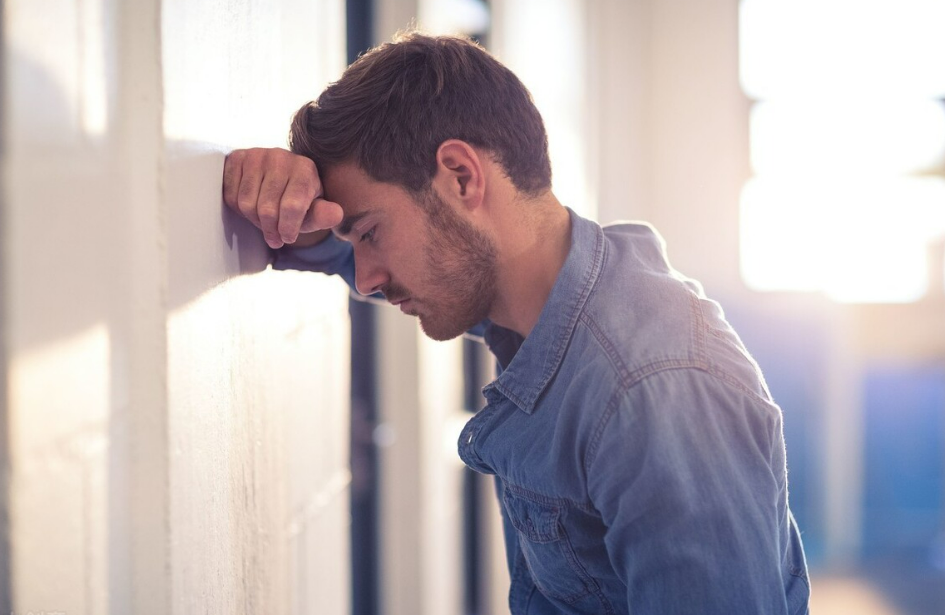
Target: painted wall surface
x=176, y=414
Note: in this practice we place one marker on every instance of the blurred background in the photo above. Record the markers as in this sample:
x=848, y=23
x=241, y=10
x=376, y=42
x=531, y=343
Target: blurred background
x=186, y=430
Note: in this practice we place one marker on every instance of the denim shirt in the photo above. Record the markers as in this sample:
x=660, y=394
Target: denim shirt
x=638, y=455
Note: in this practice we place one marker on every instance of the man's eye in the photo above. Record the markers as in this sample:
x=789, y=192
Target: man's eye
x=368, y=236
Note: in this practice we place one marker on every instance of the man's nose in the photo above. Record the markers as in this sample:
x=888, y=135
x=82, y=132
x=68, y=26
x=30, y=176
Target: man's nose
x=369, y=276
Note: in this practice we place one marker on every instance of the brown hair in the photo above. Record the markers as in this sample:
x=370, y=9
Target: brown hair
x=395, y=105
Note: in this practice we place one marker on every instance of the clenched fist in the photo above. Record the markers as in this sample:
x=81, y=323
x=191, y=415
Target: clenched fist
x=281, y=193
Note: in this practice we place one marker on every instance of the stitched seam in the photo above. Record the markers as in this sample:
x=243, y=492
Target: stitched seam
x=697, y=328
x=610, y=350
x=641, y=374
x=562, y=540
x=518, y=401
x=593, y=445
x=797, y=572
x=547, y=500
x=734, y=382
x=533, y=534
x=716, y=333
x=590, y=583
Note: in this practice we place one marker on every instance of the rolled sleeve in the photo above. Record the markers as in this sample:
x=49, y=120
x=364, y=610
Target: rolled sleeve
x=332, y=257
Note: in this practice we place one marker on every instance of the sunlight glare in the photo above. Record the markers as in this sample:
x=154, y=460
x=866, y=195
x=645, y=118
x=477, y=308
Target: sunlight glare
x=853, y=241
x=842, y=46
x=847, y=136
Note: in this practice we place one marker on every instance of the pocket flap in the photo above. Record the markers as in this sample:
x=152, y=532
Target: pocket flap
x=535, y=521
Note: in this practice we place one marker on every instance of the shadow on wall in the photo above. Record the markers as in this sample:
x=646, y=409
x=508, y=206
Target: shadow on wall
x=67, y=206
x=195, y=256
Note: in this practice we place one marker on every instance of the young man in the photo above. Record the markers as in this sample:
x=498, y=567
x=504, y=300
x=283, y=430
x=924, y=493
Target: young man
x=639, y=456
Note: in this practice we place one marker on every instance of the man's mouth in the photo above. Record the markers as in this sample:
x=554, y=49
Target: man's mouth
x=399, y=300
x=405, y=306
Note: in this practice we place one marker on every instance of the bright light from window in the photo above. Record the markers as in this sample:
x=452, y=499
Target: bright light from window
x=854, y=240
x=847, y=112
x=840, y=46
x=846, y=137
x=454, y=16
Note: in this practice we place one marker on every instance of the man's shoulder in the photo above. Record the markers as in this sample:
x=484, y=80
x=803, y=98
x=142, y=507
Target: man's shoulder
x=641, y=310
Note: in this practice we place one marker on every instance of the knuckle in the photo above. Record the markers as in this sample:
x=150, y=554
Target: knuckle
x=246, y=205
x=306, y=168
x=289, y=221
x=273, y=155
x=248, y=187
x=268, y=213
x=305, y=188
x=232, y=161
x=243, y=201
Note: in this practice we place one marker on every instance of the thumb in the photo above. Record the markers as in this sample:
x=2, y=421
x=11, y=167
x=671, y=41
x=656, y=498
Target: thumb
x=321, y=215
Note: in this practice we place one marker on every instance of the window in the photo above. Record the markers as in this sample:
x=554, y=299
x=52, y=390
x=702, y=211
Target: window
x=847, y=146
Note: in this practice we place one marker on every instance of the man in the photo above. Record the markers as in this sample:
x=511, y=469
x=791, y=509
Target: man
x=638, y=454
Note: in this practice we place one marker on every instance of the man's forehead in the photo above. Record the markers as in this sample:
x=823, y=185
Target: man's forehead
x=346, y=185
x=359, y=195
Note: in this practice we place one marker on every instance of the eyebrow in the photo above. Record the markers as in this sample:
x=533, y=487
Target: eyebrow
x=344, y=229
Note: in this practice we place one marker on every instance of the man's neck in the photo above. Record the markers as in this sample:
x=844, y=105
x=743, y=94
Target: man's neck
x=533, y=244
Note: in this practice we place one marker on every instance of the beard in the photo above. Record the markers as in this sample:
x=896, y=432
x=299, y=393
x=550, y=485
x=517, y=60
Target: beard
x=461, y=266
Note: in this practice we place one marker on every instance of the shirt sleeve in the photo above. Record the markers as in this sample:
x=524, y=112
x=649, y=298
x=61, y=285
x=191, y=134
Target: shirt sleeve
x=332, y=256
x=688, y=473
x=335, y=256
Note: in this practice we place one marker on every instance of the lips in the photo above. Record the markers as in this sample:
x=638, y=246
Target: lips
x=406, y=306
x=399, y=300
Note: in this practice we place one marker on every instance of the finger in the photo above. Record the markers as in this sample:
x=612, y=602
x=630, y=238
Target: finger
x=248, y=196
x=325, y=215
x=322, y=215
x=232, y=173
x=269, y=206
x=297, y=201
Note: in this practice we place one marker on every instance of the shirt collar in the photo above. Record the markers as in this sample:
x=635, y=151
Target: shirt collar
x=527, y=371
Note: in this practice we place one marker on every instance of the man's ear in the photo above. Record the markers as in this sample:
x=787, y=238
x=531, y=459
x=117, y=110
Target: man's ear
x=459, y=173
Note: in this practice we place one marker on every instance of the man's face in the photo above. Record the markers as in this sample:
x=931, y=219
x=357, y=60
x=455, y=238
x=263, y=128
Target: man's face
x=421, y=254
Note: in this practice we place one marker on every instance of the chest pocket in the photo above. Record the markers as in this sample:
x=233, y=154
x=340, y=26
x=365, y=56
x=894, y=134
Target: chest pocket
x=549, y=556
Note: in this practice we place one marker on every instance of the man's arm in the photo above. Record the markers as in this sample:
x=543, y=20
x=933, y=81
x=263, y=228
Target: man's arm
x=281, y=194
x=688, y=475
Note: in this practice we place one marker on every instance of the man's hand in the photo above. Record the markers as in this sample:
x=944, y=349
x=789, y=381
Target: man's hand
x=281, y=193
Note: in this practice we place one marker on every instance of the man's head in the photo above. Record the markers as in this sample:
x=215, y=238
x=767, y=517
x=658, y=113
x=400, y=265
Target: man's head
x=395, y=105
x=420, y=142
x=420, y=252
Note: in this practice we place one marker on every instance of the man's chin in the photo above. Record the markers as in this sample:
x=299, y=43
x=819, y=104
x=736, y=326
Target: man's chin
x=440, y=331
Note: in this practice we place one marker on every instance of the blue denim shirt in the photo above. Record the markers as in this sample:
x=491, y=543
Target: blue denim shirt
x=639, y=457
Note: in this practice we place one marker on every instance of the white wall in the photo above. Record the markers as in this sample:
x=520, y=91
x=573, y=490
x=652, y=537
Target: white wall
x=671, y=124
x=176, y=414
